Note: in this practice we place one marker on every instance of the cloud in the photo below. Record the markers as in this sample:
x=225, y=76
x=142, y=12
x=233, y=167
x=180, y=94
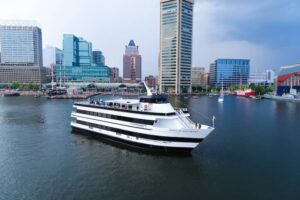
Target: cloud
x=266, y=31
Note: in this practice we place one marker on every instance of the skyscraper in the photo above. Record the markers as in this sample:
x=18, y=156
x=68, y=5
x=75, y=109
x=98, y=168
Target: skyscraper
x=132, y=64
x=21, y=43
x=176, y=34
x=21, y=52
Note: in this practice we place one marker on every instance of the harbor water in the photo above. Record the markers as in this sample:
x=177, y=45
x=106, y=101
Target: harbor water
x=254, y=153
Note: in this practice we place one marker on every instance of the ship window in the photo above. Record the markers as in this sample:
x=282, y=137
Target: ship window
x=154, y=99
x=108, y=116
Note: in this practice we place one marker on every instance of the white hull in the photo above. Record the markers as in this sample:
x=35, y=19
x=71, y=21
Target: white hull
x=221, y=99
x=167, y=133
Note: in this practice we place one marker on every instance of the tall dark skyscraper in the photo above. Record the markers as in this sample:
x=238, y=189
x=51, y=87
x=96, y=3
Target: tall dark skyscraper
x=132, y=64
x=176, y=35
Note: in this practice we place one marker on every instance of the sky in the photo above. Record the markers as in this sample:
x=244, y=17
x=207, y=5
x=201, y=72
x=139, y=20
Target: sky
x=265, y=31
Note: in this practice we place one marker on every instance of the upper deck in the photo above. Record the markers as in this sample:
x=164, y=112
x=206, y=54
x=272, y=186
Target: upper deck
x=149, y=105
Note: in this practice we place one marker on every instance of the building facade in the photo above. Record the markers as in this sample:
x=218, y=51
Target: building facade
x=150, y=81
x=98, y=58
x=232, y=72
x=52, y=56
x=197, y=75
x=270, y=76
x=176, y=35
x=21, y=43
x=76, y=51
x=21, y=54
x=287, y=78
x=265, y=78
x=114, y=75
x=78, y=63
x=205, y=80
x=132, y=64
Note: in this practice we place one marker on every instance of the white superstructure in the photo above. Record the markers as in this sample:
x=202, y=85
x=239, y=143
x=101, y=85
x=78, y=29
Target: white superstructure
x=148, y=122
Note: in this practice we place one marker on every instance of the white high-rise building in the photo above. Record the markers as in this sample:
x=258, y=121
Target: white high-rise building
x=176, y=34
x=52, y=56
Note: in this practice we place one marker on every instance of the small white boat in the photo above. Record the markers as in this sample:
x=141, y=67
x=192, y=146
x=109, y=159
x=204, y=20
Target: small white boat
x=221, y=97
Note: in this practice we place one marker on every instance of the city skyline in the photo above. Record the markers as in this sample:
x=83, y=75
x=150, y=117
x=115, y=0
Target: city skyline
x=254, y=31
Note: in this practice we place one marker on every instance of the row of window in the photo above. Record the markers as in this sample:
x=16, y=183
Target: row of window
x=138, y=135
x=127, y=119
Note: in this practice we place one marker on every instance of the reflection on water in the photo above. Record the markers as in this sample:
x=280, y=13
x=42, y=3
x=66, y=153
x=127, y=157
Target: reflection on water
x=253, y=150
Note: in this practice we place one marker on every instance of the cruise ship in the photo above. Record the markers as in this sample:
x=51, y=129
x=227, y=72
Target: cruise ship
x=149, y=122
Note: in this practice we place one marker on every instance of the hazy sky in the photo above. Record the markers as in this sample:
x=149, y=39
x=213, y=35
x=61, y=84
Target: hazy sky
x=265, y=31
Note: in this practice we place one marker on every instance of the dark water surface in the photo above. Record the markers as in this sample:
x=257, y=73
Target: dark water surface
x=254, y=153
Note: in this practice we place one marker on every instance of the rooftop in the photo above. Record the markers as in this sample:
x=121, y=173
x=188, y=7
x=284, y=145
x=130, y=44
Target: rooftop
x=131, y=43
x=289, y=69
x=32, y=23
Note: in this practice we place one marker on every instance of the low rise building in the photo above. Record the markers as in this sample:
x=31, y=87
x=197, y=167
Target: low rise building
x=230, y=72
x=265, y=78
x=114, y=75
x=288, y=76
x=22, y=74
x=197, y=75
x=150, y=81
x=205, y=80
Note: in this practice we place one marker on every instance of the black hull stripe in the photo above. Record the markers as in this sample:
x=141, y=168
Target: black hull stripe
x=141, y=135
x=116, y=117
x=132, y=144
x=88, y=117
x=130, y=111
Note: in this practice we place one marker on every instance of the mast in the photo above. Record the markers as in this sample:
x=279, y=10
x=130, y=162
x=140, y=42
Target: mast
x=60, y=77
x=52, y=82
x=149, y=93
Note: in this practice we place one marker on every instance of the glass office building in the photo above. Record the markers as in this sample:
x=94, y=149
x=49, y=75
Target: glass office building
x=232, y=72
x=76, y=51
x=78, y=63
x=98, y=58
x=21, y=53
x=20, y=43
x=176, y=24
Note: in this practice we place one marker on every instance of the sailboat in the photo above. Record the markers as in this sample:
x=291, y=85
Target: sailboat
x=221, y=97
